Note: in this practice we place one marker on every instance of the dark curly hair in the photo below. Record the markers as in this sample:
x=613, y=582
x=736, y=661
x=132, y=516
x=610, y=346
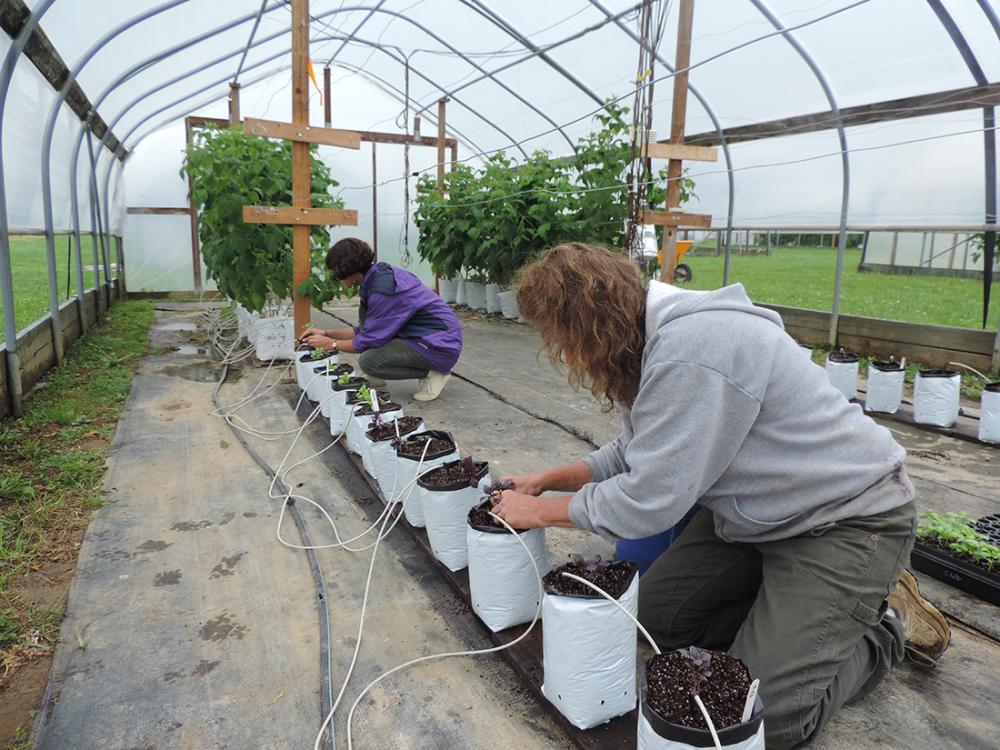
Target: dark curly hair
x=589, y=304
x=348, y=257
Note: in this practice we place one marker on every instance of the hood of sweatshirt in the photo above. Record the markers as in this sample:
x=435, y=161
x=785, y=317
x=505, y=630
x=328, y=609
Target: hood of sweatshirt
x=666, y=303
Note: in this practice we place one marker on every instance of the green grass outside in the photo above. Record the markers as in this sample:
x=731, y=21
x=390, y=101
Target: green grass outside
x=52, y=465
x=30, y=274
x=803, y=277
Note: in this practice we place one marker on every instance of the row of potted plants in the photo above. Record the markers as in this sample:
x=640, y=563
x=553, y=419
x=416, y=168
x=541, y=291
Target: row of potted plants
x=589, y=642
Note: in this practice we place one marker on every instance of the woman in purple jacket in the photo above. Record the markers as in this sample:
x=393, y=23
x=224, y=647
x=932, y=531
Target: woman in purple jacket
x=406, y=331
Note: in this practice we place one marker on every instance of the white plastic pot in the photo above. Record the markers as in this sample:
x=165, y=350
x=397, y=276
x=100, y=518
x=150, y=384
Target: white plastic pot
x=357, y=426
x=989, y=414
x=653, y=732
x=493, y=298
x=475, y=295
x=381, y=459
x=447, y=288
x=885, y=386
x=936, y=397
x=406, y=469
x=316, y=382
x=501, y=579
x=338, y=411
x=588, y=654
x=275, y=338
x=842, y=371
x=460, y=291
x=508, y=305
x=446, y=513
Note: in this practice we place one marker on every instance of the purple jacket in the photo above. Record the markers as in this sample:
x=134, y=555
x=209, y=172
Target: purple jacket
x=396, y=304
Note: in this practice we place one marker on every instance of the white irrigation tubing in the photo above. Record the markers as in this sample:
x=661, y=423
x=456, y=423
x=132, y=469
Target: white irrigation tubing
x=648, y=637
x=265, y=434
x=383, y=532
x=478, y=652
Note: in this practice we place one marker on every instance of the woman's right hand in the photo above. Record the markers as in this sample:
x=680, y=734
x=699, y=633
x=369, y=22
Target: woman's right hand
x=527, y=484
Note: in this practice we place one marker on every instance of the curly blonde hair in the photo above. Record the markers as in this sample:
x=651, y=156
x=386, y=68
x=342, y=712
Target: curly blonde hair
x=589, y=304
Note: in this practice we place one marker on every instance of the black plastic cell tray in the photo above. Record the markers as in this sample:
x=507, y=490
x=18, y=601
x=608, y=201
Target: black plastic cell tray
x=960, y=574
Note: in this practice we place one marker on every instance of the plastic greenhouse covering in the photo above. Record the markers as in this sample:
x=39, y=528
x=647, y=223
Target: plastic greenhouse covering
x=556, y=63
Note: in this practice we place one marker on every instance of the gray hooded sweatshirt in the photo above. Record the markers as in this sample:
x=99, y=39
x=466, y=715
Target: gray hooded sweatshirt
x=732, y=413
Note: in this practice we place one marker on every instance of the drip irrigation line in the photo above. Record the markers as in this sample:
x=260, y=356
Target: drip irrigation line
x=475, y=652
x=326, y=660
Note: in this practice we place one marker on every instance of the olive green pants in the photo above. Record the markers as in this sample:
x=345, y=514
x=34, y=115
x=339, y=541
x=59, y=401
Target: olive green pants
x=804, y=614
x=394, y=360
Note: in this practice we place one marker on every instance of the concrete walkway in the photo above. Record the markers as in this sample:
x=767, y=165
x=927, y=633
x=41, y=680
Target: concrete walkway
x=190, y=625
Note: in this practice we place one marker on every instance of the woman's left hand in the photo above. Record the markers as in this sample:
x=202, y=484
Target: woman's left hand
x=519, y=510
x=317, y=341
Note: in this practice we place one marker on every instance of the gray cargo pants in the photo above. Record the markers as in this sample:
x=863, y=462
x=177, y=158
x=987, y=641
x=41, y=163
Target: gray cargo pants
x=394, y=360
x=804, y=614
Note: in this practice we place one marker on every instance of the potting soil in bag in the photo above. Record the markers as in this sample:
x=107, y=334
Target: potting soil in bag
x=445, y=511
x=442, y=450
x=989, y=414
x=885, y=386
x=936, y=396
x=842, y=371
x=478, y=473
x=588, y=654
x=656, y=733
x=379, y=443
x=502, y=581
x=275, y=338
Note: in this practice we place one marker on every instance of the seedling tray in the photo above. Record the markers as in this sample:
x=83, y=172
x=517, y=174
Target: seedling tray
x=960, y=574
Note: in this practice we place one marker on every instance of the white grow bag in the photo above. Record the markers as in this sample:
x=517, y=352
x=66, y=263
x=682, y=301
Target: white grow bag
x=460, y=291
x=313, y=374
x=936, y=397
x=338, y=411
x=445, y=513
x=242, y=320
x=329, y=396
x=475, y=295
x=406, y=469
x=656, y=733
x=493, y=298
x=885, y=386
x=588, y=655
x=414, y=510
x=989, y=414
x=377, y=452
x=501, y=579
x=842, y=371
x=447, y=288
x=508, y=305
x=252, y=319
x=275, y=338
x=357, y=425
x=301, y=364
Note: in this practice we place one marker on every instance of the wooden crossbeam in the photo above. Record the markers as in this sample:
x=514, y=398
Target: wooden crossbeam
x=300, y=216
x=677, y=219
x=680, y=151
x=299, y=133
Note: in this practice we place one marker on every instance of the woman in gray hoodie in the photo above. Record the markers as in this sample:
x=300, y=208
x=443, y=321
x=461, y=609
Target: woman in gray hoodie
x=807, y=514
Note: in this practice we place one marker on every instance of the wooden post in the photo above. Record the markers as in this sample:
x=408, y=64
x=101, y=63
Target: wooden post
x=234, y=103
x=678, y=115
x=327, y=103
x=718, y=243
x=300, y=157
x=440, y=166
x=374, y=205
x=193, y=210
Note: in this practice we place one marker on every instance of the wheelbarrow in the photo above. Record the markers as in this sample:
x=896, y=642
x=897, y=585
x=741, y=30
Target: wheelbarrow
x=682, y=272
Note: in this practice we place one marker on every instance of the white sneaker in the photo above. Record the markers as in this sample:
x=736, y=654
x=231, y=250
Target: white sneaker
x=431, y=386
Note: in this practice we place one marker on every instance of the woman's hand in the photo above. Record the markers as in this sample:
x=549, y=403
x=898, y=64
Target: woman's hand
x=519, y=509
x=318, y=341
x=527, y=484
x=312, y=332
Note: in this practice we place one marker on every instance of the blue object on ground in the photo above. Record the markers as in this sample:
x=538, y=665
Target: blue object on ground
x=644, y=551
